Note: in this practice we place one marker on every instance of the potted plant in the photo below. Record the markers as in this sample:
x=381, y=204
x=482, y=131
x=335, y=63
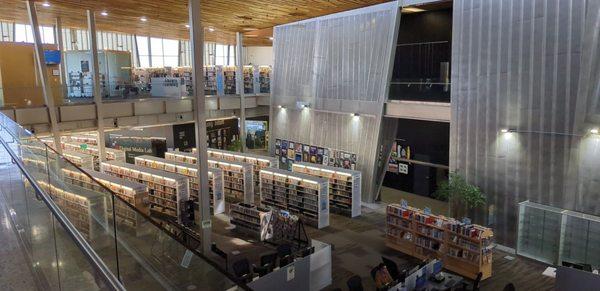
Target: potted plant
x=462, y=196
x=235, y=146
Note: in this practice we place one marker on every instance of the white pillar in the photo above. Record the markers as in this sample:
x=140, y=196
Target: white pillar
x=239, y=84
x=41, y=66
x=95, y=69
x=59, y=41
x=197, y=50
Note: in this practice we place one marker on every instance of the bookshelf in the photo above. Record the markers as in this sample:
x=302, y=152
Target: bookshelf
x=251, y=219
x=237, y=177
x=300, y=194
x=248, y=73
x=215, y=180
x=79, y=159
x=229, y=80
x=210, y=80
x=344, y=186
x=111, y=154
x=76, y=207
x=264, y=79
x=169, y=192
x=258, y=162
x=464, y=248
x=90, y=139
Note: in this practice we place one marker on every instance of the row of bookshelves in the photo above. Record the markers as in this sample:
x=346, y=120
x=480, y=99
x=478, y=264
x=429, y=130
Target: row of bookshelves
x=258, y=162
x=168, y=191
x=75, y=207
x=215, y=179
x=111, y=154
x=344, y=186
x=421, y=234
x=237, y=176
x=301, y=194
x=251, y=219
x=90, y=138
x=80, y=159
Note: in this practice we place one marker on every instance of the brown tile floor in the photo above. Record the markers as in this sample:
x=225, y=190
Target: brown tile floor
x=358, y=245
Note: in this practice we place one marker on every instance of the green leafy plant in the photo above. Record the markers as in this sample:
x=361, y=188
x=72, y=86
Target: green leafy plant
x=235, y=146
x=462, y=194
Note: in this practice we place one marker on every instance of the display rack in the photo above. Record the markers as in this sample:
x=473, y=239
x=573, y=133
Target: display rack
x=215, y=180
x=344, y=186
x=300, y=194
x=250, y=219
x=90, y=139
x=229, y=80
x=258, y=162
x=136, y=194
x=265, y=79
x=464, y=248
x=248, y=73
x=210, y=80
x=237, y=176
x=169, y=192
x=76, y=207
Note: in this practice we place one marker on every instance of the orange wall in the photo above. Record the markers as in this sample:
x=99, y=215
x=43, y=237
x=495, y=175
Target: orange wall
x=19, y=80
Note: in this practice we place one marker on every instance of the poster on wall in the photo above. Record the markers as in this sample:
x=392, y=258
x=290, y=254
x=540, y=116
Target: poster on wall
x=290, y=152
x=399, y=151
x=256, y=134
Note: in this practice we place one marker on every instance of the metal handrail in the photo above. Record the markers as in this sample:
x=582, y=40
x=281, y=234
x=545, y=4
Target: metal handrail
x=109, y=278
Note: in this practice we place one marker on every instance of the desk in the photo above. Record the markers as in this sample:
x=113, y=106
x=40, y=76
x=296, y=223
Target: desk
x=446, y=284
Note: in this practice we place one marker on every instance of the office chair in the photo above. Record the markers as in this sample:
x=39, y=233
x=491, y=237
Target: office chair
x=241, y=270
x=284, y=250
x=475, y=286
x=355, y=283
x=392, y=269
x=267, y=264
x=509, y=287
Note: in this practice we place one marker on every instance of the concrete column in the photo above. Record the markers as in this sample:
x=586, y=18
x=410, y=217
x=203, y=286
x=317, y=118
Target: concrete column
x=43, y=73
x=59, y=41
x=95, y=69
x=239, y=84
x=197, y=50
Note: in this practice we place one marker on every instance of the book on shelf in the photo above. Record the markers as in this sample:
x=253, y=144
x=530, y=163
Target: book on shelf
x=344, y=186
x=464, y=248
x=300, y=194
x=251, y=219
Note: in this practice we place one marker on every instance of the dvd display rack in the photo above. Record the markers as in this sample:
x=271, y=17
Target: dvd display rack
x=258, y=162
x=237, y=176
x=210, y=80
x=215, y=180
x=229, y=80
x=264, y=79
x=464, y=248
x=248, y=73
x=300, y=194
x=344, y=186
x=76, y=207
x=251, y=220
x=169, y=192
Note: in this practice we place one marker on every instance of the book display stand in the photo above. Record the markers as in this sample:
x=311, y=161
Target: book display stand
x=464, y=248
x=252, y=220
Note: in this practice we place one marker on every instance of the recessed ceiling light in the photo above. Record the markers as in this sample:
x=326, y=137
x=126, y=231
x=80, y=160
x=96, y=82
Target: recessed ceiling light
x=249, y=29
x=144, y=19
x=187, y=26
x=412, y=10
x=46, y=4
x=270, y=37
x=104, y=13
x=211, y=29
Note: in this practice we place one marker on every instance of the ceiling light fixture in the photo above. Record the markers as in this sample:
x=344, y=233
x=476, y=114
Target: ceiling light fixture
x=355, y=115
x=270, y=38
x=211, y=29
x=104, y=13
x=187, y=26
x=144, y=19
x=46, y=4
x=411, y=10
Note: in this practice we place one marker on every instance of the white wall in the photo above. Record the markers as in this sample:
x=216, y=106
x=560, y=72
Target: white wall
x=258, y=55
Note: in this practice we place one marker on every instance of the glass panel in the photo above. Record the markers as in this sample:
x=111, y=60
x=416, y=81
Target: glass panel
x=539, y=232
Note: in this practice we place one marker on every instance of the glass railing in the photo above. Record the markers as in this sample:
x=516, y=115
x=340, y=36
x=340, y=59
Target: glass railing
x=132, y=246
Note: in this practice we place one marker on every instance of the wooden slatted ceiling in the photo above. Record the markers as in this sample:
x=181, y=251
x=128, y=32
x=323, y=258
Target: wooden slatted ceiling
x=167, y=18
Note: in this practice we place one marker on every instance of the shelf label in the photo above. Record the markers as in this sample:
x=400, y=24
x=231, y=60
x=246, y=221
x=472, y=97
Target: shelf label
x=291, y=273
x=206, y=224
x=83, y=146
x=403, y=203
x=187, y=258
x=427, y=210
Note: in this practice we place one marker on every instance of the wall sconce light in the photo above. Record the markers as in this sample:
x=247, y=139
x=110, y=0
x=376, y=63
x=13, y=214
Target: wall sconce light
x=594, y=131
x=279, y=106
x=305, y=106
x=504, y=130
x=355, y=115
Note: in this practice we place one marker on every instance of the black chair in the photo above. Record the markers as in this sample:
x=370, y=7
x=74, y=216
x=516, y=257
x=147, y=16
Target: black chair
x=285, y=261
x=284, y=250
x=241, y=270
x=475, y=286
x=267, y=264
x=355, y=283
x=221, y=254
x=392, y=269
x=509, y=287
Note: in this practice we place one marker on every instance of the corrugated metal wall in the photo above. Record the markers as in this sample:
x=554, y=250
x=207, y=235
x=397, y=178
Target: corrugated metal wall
x=519, y=65
x=339, y=64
